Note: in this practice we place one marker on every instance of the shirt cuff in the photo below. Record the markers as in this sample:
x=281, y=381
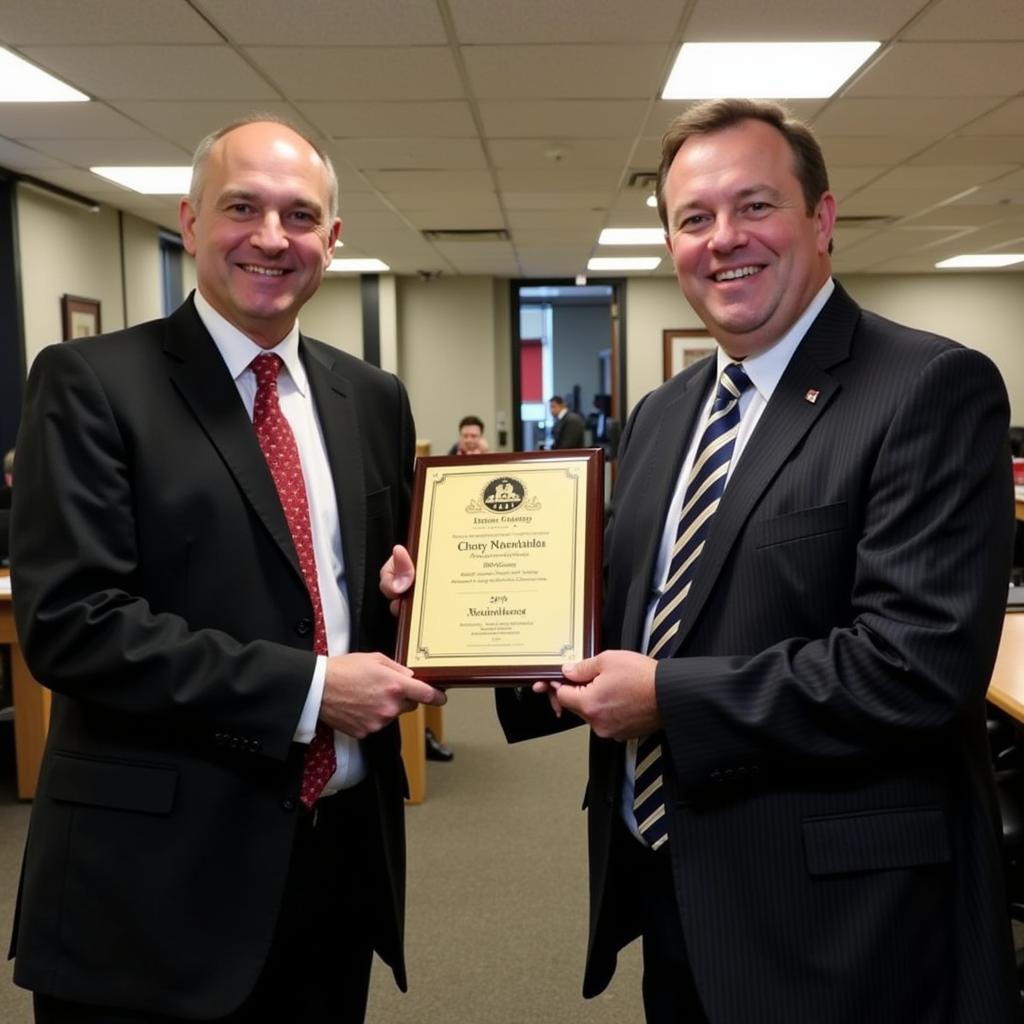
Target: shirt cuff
x=311, y=709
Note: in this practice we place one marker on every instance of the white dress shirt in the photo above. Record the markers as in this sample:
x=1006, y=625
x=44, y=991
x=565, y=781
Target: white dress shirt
x=238, y=352
x=765, y=370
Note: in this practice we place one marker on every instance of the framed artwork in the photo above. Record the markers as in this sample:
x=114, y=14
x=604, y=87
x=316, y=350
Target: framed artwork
x=684, y=347
x=80, y=317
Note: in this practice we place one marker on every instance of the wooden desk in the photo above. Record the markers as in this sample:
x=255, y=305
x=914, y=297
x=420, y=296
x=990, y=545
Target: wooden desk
x=1006, y=690
x=31, y=706
x=1019, y=507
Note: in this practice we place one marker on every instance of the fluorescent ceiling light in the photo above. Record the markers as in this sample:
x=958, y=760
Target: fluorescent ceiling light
x=705, y=71
x=354, y=266
x=21, y=82
x=986, y=260
x=623, y=262
x=150, y=181
x=631, y=236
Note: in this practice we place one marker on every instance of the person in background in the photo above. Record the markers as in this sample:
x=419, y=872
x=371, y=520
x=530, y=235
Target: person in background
x=790, y=793
x=218, y=828
x=568, y=427
x=471, y=437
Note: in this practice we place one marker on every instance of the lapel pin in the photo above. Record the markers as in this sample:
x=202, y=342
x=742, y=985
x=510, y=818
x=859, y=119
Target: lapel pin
x=812, y=395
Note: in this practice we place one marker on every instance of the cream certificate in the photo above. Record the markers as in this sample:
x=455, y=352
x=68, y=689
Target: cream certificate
x=501, y=565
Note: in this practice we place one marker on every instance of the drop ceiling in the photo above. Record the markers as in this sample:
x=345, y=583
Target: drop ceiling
x=530, y=117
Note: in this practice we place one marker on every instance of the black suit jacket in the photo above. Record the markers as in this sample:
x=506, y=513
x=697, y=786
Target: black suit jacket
x=159, y=595
x=567, y=432
x=833, y=830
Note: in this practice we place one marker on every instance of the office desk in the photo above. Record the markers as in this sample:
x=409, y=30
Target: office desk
x=1006, y=690
x=31, y=706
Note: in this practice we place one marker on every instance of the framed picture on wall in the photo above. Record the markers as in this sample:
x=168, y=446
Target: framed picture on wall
x=683, y=347
x=80, y=317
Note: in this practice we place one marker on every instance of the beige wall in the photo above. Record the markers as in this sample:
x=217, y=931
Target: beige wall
x=984, y=311
x=335, y=314
x=447, y=353
x=65, y=251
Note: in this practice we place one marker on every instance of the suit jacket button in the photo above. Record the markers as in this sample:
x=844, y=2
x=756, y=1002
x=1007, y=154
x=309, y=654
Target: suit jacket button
x=289, y=803
x=716, y=776
x=304, y=627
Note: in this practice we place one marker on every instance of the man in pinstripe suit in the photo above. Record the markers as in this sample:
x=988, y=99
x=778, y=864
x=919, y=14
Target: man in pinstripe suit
x=832, y=850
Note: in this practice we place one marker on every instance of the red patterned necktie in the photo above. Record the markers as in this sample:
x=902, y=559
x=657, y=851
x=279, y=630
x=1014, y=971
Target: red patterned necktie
x=282, y=454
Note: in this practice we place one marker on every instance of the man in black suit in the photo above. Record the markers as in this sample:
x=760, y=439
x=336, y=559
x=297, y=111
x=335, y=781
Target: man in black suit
x=803, y=665
x=204, y=621
x=568, y=427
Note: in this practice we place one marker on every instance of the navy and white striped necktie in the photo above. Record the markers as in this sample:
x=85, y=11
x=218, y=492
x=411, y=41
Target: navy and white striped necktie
x=704, y=490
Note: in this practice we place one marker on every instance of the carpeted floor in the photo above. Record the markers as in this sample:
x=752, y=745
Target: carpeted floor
x=496, y=927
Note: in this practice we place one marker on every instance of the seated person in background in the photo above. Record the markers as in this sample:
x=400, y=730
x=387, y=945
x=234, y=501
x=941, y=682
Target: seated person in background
x=471, y=437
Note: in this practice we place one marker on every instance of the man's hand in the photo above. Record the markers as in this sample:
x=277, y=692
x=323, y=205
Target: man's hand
x=613, y=692
x=396, y=576
x=364, y=692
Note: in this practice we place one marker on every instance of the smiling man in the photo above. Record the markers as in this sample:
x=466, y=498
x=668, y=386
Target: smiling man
x=806, y=565
x=203, y=505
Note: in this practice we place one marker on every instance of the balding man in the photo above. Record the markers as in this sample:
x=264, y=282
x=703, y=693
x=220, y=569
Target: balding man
x=203, y=505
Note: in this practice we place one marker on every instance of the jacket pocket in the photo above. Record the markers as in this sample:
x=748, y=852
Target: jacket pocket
x=807, y=522
x=118, y=785
x=903, y=837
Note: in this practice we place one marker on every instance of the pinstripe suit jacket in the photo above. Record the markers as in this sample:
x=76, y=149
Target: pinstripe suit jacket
x=833, y=829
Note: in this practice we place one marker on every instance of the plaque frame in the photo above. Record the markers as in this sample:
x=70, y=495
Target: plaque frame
x=586, y=586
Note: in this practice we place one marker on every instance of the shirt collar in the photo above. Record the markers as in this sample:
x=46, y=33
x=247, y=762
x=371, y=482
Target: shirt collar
x=765, y=370
x=238, y=350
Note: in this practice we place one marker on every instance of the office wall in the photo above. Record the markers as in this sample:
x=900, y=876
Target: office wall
x=335, y=314
x=448, y=353
x=983, y=310
x=64, y=250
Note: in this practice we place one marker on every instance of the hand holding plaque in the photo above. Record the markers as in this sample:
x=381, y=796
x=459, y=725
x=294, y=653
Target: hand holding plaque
x=508, y=566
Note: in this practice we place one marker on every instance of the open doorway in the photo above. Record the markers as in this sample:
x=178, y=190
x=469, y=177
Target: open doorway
x=568, y=340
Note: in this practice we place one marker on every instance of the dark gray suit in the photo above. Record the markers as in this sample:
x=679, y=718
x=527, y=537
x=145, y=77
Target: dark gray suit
x=833, y=830
x=568, y=431
x=158, y=593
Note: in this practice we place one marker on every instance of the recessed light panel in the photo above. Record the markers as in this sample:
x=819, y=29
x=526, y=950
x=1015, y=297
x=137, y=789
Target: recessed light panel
x=150, y=181
x=981, y=261
x=705, y=71
x=631, y=236
x=21, y=82
x=356, y=266
x=623, y=262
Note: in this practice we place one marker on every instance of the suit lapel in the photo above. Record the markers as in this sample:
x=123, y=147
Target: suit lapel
x=332, y=395
x=202, y=379
x=785, y=421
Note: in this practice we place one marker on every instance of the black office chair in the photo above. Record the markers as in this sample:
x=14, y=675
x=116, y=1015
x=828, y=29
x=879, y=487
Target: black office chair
x=1006, y=744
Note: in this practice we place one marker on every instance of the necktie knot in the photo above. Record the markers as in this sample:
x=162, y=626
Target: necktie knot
x=733, y=382
x=266, y=369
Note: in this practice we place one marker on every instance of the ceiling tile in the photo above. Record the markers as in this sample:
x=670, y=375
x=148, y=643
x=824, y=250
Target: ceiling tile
x=338, y=23
x=67, y=121
x=560, y=21
x=430, y=181
x=360, y=73
x=1004, y=120
x=561, y=119
x=797, y=20
x=868, y=150
x=412, y=120
x=555, y=178
x=154, y=72
x=963, y=149
x=564, y=72
x=528, y=154
x=944, y=69
x=106, y=152
x=82, y=22
x=411, y=154
x=899, y=117
x=978, y=19
x=952, y=176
